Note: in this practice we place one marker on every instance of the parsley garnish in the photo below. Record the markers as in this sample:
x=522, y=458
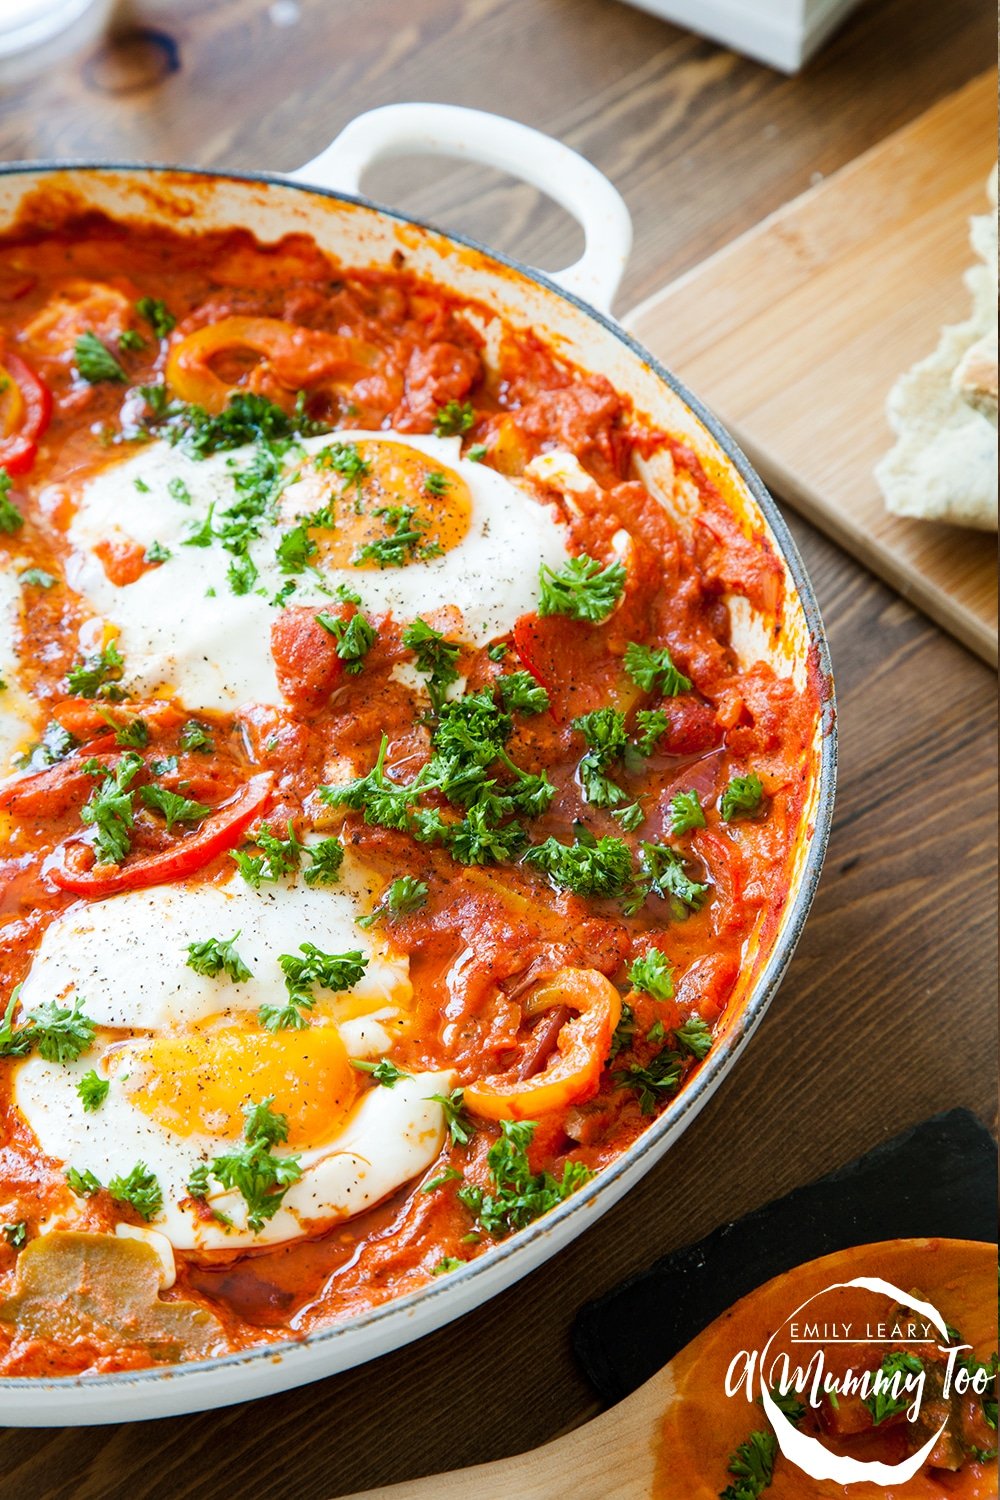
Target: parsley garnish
x=11, y=519
x=400, y=545
x=405, y=895
x=110, y=812
x=788, y=1403
x=261, y=1179
x=55, y=744
x=521, y=694
x=200, y=533
x=92, y=1090
x=662, y=873
x=477, y=453
x=605, y=733
x=881, y=1402
x=436, y=658
x=130, y=338
x=447, y=1263
x=98, y=675
x=246, y=419
x=654, y=973
x=588, y=867
x=581, y=589
x=654, y=670
x=652, y=723
x=331, y=971
x=278, y=857
x=435, y=485
x=685, y=812
x=94, y=360
x=327, y=857
x=752, y=1466
x=355, y=637
x=694, y=1037
x=157, y=553
x=140, y=1190
x=195, y=736
x=742, y=797
x=661, y=1075
x=156, y=315
x=35, y=578
x=174, y=807
x=460, y=1127
x=384, y=1072
x=16, y=1235
x=516, y=1195
x=295, y=548
x=84, y=1184
x=453, y=418
x=214, y=956
x=59, y=1034
x=345, y=459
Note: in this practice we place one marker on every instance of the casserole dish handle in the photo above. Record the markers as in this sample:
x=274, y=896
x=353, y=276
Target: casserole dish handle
x=474, y=135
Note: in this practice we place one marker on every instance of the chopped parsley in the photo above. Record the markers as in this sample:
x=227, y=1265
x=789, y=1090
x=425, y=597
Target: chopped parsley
x=157, y=553
x=295, y=548
x=460, y=1127
x=436, y=658
x=84, y=1184
x=654, y=670
x=200, y=533
x=16, y=1235
x=35, y=578
x=250, y=1169
x=404, y=896
x=98, y=675
x=195, y=736
x=156, y=315
x=55, y=744
x=132, y=735
x=110, y=811
x=435, y=485
x=752, y=1467
x=516, y=1196
x=883, y=1402
x=384, y=1072
x=447, y=1263
x=58, y=1033
x=581, y=589
x=662, y=873
x=92, y=1090
x=694, y=1037
x=605, y=733
x=654, y=973
x=140, y=1190
x=453, y=418
x=629, y=818
x=277, y=858
x=685, y=812
x=742, y=798
x=661, y=1075
x=130, y=339
x=521, y=694
x=247, y=418
x=141, y=485
x=94, y=360
x=652, y=724
x=174, y=807
x=355, y=637
x=214, y=956
x=11, y=519
x=588, y=867
x=327, y=857
x=344, y=459
x=404, y=539
x=310, y=966
x=477, y=453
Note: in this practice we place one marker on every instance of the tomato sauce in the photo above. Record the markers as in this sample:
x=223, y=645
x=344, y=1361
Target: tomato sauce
x=373, y=349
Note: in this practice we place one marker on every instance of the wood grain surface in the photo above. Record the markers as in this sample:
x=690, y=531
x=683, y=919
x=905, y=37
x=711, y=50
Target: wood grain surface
x=796, y=332
x=887, y=1014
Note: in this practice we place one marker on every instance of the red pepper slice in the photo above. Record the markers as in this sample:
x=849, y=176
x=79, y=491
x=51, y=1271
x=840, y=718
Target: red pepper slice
x=218, y=833
x=49, y=792
x=18, y=448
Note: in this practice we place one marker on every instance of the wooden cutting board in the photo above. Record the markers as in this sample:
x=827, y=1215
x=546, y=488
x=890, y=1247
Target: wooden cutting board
x=794, y=334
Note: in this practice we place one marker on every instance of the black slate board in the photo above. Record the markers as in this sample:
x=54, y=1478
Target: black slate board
x=938, y=1179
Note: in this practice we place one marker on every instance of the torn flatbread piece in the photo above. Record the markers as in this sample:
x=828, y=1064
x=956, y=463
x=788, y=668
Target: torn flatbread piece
x=943, y=466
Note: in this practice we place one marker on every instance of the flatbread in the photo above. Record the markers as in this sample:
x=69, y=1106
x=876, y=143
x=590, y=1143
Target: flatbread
x=944, y=463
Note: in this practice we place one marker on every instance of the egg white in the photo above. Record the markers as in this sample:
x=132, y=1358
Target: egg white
x=125, y=958
x=390, y=1136
x=184, y=630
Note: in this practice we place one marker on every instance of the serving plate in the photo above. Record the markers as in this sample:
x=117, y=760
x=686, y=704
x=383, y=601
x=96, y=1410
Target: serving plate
x=570, y=311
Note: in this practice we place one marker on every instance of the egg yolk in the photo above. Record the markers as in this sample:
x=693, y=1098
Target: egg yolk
x=199, y=1082
x=383, y=505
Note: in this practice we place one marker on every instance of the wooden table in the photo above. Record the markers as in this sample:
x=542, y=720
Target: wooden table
x=887, y=1014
